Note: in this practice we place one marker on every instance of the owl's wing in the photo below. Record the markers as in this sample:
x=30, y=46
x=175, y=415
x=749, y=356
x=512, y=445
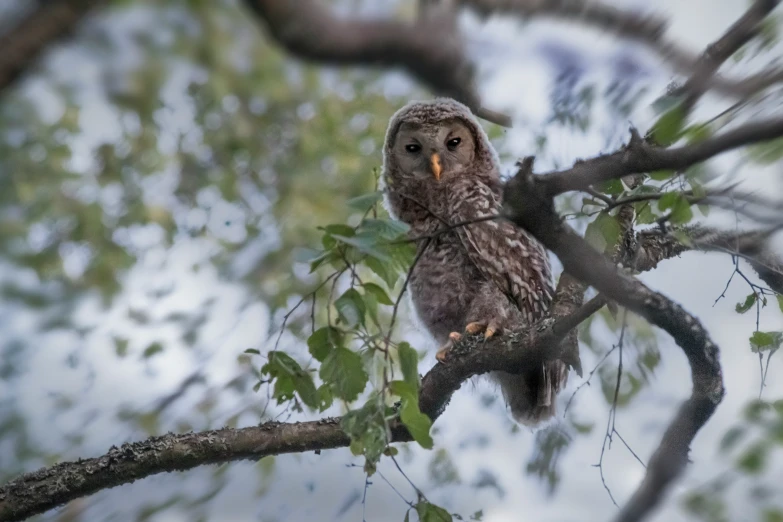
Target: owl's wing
x=502, y=252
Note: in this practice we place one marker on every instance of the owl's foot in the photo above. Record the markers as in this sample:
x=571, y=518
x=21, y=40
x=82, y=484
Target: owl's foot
x=444, y=351
x=488, y=328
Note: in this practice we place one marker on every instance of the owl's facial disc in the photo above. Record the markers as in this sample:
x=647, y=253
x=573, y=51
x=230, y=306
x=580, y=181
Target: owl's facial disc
x=436, y=151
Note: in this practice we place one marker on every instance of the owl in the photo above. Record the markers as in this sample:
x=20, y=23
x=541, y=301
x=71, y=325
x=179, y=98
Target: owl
x=439, y=170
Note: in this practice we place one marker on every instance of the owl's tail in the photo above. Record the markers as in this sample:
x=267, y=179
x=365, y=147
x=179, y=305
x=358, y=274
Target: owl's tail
x=531, y=395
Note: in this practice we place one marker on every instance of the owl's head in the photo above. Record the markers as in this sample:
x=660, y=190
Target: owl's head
x=436, y=142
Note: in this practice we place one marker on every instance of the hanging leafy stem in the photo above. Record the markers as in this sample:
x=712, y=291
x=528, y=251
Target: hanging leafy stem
x=363, y=265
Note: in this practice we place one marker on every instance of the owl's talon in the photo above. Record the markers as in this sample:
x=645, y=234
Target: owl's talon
x=444, y=351
x=492, y=329
x=489, y=328
x=476, y=327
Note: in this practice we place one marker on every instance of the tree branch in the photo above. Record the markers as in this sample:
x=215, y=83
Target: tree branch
x=46, y=23
x=716, y=53
x=48, y=488
x=532, y=208
x=752, y=246
x=650, y=30
x=431, y=49
x=639, y=156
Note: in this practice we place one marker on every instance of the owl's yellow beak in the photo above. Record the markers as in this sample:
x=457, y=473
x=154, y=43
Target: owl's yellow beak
x=435, y=165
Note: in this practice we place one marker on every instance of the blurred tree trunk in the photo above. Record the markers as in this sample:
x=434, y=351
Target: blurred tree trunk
x=45, y=22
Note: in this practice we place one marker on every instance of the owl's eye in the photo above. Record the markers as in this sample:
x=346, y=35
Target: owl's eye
x=452, y=143
x=413, y=148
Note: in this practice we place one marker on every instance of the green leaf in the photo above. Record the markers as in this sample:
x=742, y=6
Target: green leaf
x=305, y=387
x=680, y=208
x=780, y=302
x=403, y=254
x=365, y=201
x=371, y=306
x=431, y=513
x=290, y=378
x=644, y=214
x=326, y=257
x=741, y=308
x=763, y=341
x=378, y=293
x=328, y=241
x=344, y=371
x=409, y=362
x=350, y=306
x=668, y=201
x=766, y=153
x=323, y=341
x=383, y=270
x=367, y=429
x=613, y=187
x=121, y=346
x=152, y=349
x=661, y=175
x=417, y=423
x=697, y=133
x=325, y=396
x=366, y=245
x=668, y=128
x=339, y=229
x=385, y=228
x=681, y=213
x=772, y=515
x=731, y=438
x=404, y=390
x=754, y=410
x=754, y=459
x=603, y=232
x=252, y=351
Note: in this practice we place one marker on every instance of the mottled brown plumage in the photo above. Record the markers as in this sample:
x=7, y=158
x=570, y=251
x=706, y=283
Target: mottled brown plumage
x=439, y=167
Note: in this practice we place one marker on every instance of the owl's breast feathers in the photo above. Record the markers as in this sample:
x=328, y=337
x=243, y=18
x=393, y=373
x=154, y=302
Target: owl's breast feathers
x=504, y=254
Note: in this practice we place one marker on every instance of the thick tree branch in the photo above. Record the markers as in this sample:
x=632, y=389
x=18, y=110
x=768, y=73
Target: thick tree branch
x=46, y=23
x=639, y=156
x=48, y=488
x=430, y=49
x=530, y=207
